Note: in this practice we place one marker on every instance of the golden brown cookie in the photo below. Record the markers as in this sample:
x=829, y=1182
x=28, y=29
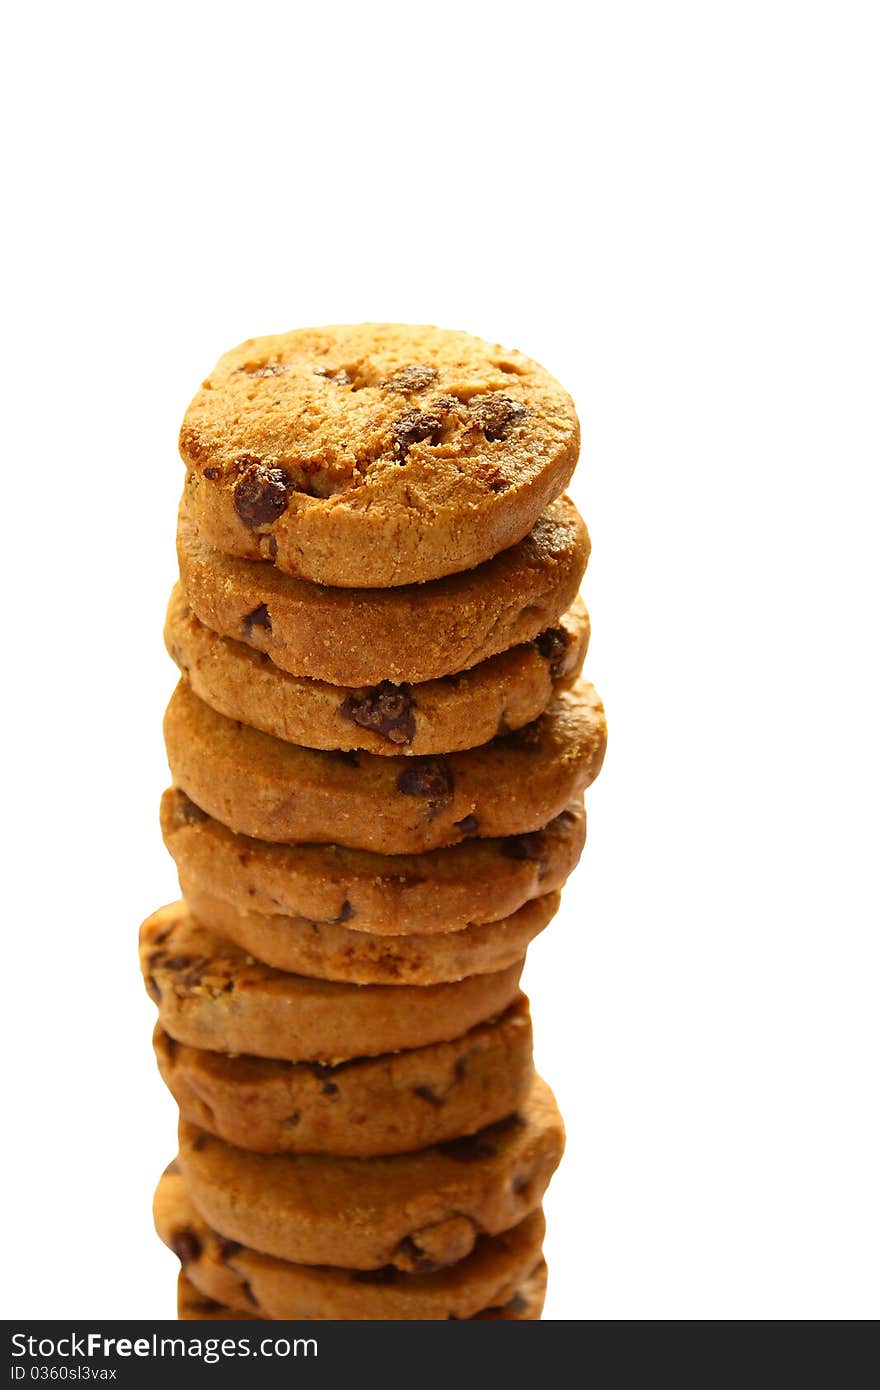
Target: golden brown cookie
x=211, y=994
x=525, y=1305
x=356, y=637
x=416, y=1211
x=240, y=1277
x=375, y=1105
x=275, y=791
x=506, y=691
x=330, y=951
x=445, y=890
x=376, y=454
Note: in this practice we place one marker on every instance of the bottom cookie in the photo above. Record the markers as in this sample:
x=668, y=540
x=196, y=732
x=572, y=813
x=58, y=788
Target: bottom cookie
x=236, y=1277
x=525, y=1305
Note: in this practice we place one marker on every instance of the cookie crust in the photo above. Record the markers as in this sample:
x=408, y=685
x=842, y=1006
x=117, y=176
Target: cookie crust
x=417, y=1212
x=275, y=791
x=213, y=995
x=329, y=951
x=355, y=637
x=278, y=1289
x=440, y=716
x=441, y=891
x=376, y=454
x=372, y=1106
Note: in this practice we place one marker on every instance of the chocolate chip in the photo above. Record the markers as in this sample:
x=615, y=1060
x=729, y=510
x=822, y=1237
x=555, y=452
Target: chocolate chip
x=461, y=1065
x=469, y=825
x=532, y=846
x=346, y=912
x=260, y=495
x=329, y=1088
x=553, y=643
x=211, y=474
x=414, y=426
x=186, y=1246
x=410, y=379
x=258, y=618
x=386, y=1275
x=426, y=1093
x=518, y=1185
x=177, y=962
x=227, y=1248
x=387, y=709
x=428, y=777
x=496, y=414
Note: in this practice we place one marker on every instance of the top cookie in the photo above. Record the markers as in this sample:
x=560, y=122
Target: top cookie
x=375, y=455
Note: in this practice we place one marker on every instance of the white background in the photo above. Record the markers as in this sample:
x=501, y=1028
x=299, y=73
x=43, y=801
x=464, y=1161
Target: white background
x=675, y=208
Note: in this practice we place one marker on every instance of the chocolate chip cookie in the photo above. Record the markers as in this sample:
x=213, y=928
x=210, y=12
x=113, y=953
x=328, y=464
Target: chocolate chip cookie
x=275, y=791
x=213, y=995
x=329, y=951
x=362, y=637
x=240, y=1277
x=376, y=1105
x=444, y=890
x=417, y=1212
x=440, y=716
x=377, y=454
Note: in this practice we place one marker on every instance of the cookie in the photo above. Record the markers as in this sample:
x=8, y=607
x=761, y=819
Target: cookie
x=505, y=691
x=240, y=1277
x=213, y=995
x=377, y=1105
x=275, y=791
x=362, y=637
x=193, y=1306
x=445, y=890
x=376, y=454
x=417, y=1211
x=329, y=951
x=525, y=1305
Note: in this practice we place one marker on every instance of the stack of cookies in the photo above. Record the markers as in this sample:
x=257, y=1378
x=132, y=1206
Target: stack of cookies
x=379, y=747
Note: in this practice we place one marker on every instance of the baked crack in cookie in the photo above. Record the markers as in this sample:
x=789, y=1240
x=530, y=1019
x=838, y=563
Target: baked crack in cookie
x=275, y=791
x=440, y=716
x=239, y=1277
x=445, y=890
x=356, y=637
x=213, y=995
x=417, y=1212
x=377, y=454
x=373, y=1105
